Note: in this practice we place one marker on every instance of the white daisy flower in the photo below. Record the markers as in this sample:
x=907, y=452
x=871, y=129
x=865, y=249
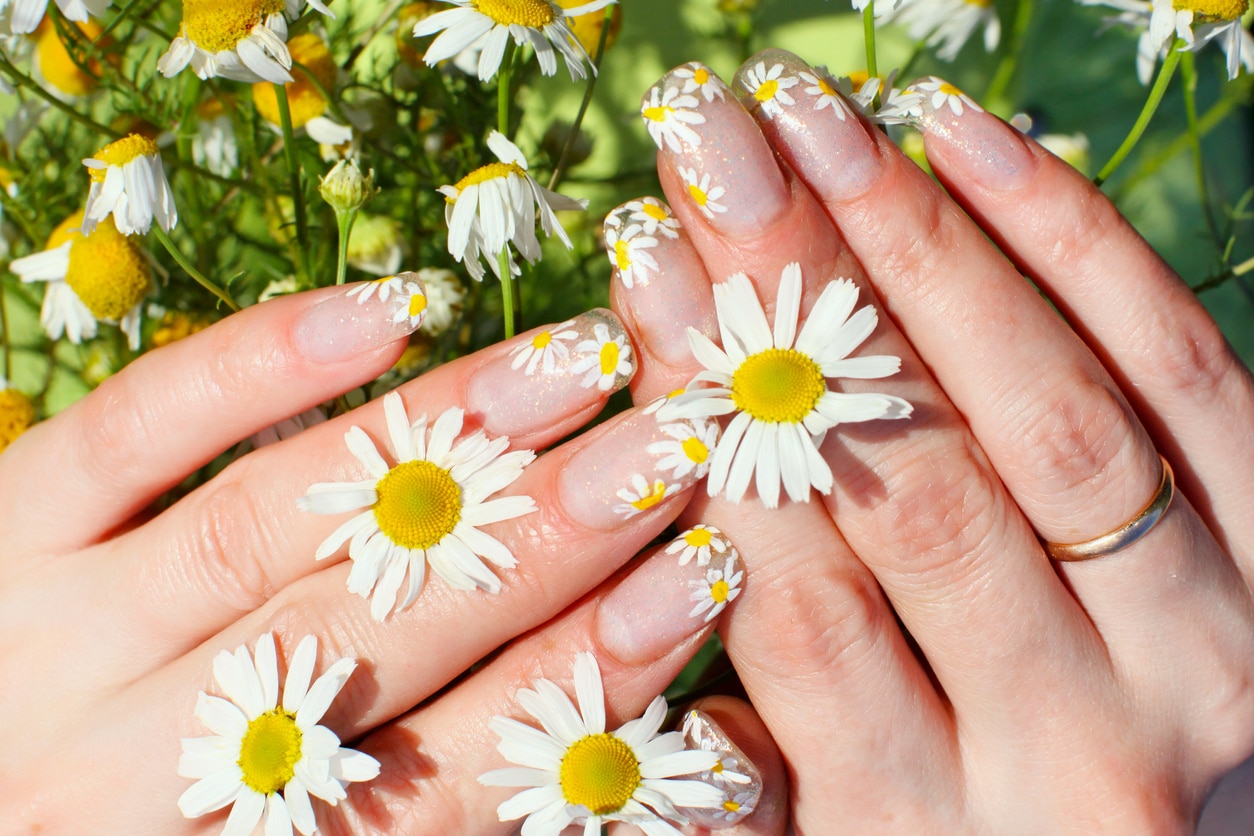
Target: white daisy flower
x=704, y=542
x=698, y=78
x=541, y=23
x=545, y=350
x=605, y=359
x=25, y=15
x=427, y=508
x=653, y=216
x=445, y=296
x=241, y=41
x=576, y=773
x=716, y=590
x=1197, y=22
x=688, y=448
x=267, y=754
x=496, y=205
x=774, y=381
x=824, y=90
x=737, y=806
x=627, y=249
x=642, y=495
x=896, y=106
x=411, y=296
x=214, y=146
x=374, y=245
x=705, y=195
x=128, y=180
x=669, y=116
x=770, y=87
x=948, y=24
x=938, y=94
x=306, y=93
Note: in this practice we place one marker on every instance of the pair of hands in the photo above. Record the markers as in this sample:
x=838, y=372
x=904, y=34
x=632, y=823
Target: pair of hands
x=1021, y=695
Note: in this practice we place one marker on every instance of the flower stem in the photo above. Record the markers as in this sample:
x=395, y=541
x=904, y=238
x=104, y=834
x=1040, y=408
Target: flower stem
x=508, y=313
x=1188, y=77
x=1005, y=71
x=1165, y=73
x=293, y=167
x=220, y=292
x=344, y=220
x=868, y=35
x=560, y=168
x=502, y=125
x=4, y=338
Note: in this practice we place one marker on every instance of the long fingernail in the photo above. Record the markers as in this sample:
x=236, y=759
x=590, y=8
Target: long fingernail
x=734, y=774
x=728, y=170
x=552, y=371
x=360, y=318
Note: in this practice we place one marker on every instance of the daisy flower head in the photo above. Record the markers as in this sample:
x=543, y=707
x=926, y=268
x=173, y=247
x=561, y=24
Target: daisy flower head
x=703, y=192
x=575, y=772
x=628, y=251
x=642, y=495
x=704, y=542
x=669, y=116
x=306, y=92
x=769, y=88
x=652, y=215
x=129, y=182
x=896, y=106
x=605, y=360
x=733, y=768
x=61, y=73
x=1196, y=22
x=949, y=24
x=268, y=754
x=214, y=146
x=374, y=245
x=17, y=414
x=686, y=449
x=425, y=509
x=497, y=204
x=244, y=40
x=938, y=94
x=540, y=23
x=405, y=292
x=719, y=587
x=25, y=15
x=445, y=296
x=698, y=78
x=774, y=383
x=824, y=88
x=103, y=276
x=545, y=350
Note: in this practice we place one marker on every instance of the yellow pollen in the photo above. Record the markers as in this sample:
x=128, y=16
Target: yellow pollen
x=731, y=806
x=622, y=254
x=6, y=179
x=949, y=90
x=417, y=304
x=304, y=97
x=269, y=751
x=418, y=504
x=489, y=172
x=66, y=230
x=859, y=78
x=778, y=386
x=766, y=90
x=1213, y=11
x=701, y=75
x=674, y=392
x=697, y=194
x=541, y=341
x=695, y=450
x=656, y=212
x=609, y=357
x=826, y=88
x=656, y=495
x=599, y=772
x=698, y=537
x=535, y=14
x=217, y=26
x=717, y=769
x=55, y=64
x=17, y=413
x=718, y=591
x=121, y=152
x=108, y=272
x=658, y=114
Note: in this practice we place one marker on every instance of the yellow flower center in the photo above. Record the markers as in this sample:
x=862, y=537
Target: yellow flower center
x=731, y=806
x=778, y=386
x=717, y=769
x=609, y=357
x=698, y=537
x=489, y=172
x=269, y=751
x=121, y=152
x=701, y=75
x=535, y=14
x=599, y=772
x=304, y=96
x=656, y=211
x=697, y=194
x=622, y=255
x=766, y=90
x=825, y=88
x=66, y=230
x=541, y=341
x=6, y=179
x=859, y=78
x=1214, y=10
x=418, y=505
x=217, y=26
x=17, y=413
x=718, y=591
x=417, y=304
x=657, y=114
x=587, y=27
x=57, y=66
x=949, y=90
x=653, y=497
x=108, y=272
x=695, y=450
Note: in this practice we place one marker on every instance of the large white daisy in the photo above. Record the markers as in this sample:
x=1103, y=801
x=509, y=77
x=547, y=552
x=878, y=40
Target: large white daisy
x=949, y=24
x=427, y=508
x=267, y=754
x=243, y=41
x=774, y=382
x=575, y=772
x=1196, y=22
x=128, y=180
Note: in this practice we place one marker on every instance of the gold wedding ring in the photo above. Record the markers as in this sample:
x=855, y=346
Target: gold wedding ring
x=1126, y=534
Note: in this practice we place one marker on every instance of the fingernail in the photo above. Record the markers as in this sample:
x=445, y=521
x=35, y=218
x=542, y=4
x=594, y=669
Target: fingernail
x=734, y=774
x=989, y=151
x=360, y=318
x=552, y=371
x=728, y=170
x=818, y=131
x=633, y=464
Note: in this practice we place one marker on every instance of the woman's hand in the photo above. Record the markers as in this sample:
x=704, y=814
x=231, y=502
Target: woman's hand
x=921, y=662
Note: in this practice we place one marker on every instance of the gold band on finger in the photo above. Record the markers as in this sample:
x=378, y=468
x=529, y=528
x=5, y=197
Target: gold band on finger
x=1126, y=534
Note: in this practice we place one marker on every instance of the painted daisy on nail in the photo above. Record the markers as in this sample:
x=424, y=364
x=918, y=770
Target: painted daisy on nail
x=605, y=360
x=657, y=403
x=938, y=94
x=705, y=195
x=128, y=180
x=545, y=350
x=405, y=292
x=653, y=216
x=425, y=509
x=628, y=251
x=770, y=87
x=577, y=773
x=823, y=88
x=774, y=383
x=698, y=79
x=704, y=542
x=687, y=450
x=668, y=115
x=241, y=41
x=267, y=754
x=642, y=495
x=719, y=587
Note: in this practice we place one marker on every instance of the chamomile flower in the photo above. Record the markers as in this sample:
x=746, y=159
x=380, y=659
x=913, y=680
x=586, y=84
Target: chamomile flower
x=653, y=406
x=545, y=350
x=575, y=772
x=896, y=106
x=823, y=88
x=704, y=542
x=496, y=205
x=605, y=360
x=25, y=15
x=642, y=495
x=411, y=296
x=102, y=276
x=669, y=115
x=17, y=414
x=214, y=145
x=687, y=449
x=427, y=508
x=769, y=88
x=948, y=24
x=653, y=216
x=719, y=587
x=244, y=40
x=374, y=245
x=774, y=382
x=541, y=23
x=306, y=92
x=59, y=72
x=445, y=296
x=128, y=180
x=703, y=192
x=939, y=94
x=268, y=754
x=1196, y=22
x=698, y=79
x=628, y=250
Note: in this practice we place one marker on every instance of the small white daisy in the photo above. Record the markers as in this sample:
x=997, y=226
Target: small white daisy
x=25, y=15
x=896, y=106
x=938, y=94
x=642, y=495
x=704, y=542
x=241, y=41
x=214, y=145
x=669, y=116
x=731, y=769
x=545, y=350
x=427, y=508
x=576, y=773
x=774, y=381
x=949, y=24
x=628, y=251
x=698, y=78
x=128, y=180
x=705, y=195
x=770, y=87
x=688, y=448
x=653, y=216
x=267, y=754
x=541, y=23
x=717, y=589
x=375, y=246
x=410, y=302
x=737, y=806
x=496, y=205
x=605, y=360
x=445, y=296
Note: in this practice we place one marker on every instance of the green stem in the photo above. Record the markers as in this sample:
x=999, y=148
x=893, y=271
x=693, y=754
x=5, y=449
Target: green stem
x=220, y=292
x=1150, y=165
x=502, y=124
x=1188, y=77
x=1165, y=73
x=122, y=15
x=4, y=338
x=1005, y=71
x=293, y=167
x=868, y=35
x=503, y=92
x=508, y=313
x=560, y=168
x=345, y=221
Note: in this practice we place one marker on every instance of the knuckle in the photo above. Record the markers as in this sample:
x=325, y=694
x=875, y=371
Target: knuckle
x=118, y=420
x=908, y=258
x=1193, y=358
x=232, y=375
x=1078, y=233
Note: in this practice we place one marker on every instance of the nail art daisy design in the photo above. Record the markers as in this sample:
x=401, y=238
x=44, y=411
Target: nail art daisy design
x=770, y=87
x=698, y=78
x=688, y=448
x=657, y=403
x=653, y=216
x=668, y=115
x=605, y=361
x=267, y=754
x=628, y=251
x=577, y=773
x=823, y=88
x=704, y=542
x=642, y=495
x=128, y=180
x=719, y=587
x=938, y=94
x=425, y=509
x=737, y=806
x=545, y=350
x=406, y=291
x=732, y=767
x=774, y=382
x=705, y=195
x=896, y=106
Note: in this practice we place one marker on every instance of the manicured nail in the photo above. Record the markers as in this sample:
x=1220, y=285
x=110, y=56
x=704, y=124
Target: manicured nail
x=734, y=774
x=728, y=170
x=989, y=151
x=552, y=371
x=361, y=318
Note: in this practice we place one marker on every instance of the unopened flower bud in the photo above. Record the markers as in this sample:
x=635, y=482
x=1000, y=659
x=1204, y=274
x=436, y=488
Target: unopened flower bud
x=346, y=188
